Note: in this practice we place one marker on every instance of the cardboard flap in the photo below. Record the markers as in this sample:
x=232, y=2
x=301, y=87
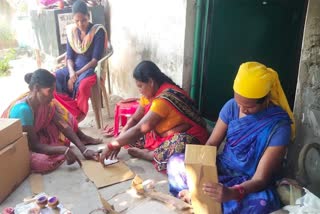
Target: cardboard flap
x=9, y=150
x=6, y=122
x=200, y=162
x=199, y=154
x=10, y=131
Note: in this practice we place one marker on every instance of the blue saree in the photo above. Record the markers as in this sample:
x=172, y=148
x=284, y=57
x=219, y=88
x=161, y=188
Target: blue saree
x=247, y=138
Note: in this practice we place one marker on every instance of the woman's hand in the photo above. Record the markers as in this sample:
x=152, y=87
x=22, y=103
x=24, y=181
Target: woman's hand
x=91, y=155
x=70, y=85
x=110, y=152
x=185, y=196
x=71, y=157
x=73, y=76
x=218, y=192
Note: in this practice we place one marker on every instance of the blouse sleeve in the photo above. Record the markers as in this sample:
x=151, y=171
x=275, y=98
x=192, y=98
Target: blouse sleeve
x=23, y=112
x=160, y=107
x=98, y=42
x=228, y=111
x=281, y=137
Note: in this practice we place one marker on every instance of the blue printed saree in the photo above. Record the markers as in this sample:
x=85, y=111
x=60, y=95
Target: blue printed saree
x=247, y=138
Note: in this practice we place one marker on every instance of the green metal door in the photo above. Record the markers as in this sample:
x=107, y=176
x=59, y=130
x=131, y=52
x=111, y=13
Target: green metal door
x=237, y=31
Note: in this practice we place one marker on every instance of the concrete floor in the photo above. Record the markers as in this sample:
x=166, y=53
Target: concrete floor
x=69, y=183
x=75, y=191
x=79, y=194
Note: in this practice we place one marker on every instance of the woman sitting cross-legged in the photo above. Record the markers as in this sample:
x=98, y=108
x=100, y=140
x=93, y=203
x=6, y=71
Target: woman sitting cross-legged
x=49, y=125
x=163, y=124
x=256, y=124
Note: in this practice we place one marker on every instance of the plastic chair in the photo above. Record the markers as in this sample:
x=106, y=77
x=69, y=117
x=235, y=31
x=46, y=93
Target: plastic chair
x=98, y=91
x=123, y=110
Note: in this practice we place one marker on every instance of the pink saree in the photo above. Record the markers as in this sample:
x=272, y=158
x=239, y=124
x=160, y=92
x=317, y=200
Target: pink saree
x=47, y=132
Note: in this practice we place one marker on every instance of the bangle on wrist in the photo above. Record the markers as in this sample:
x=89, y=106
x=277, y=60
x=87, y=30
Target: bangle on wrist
x=112, y=146
x=66, y=152
x=241, y=191
x=84, y=152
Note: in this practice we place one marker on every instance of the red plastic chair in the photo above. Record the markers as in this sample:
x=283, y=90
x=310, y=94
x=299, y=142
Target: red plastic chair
x=123, y=110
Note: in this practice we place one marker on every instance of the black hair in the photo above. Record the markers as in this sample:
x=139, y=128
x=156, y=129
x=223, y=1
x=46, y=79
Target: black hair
x=80, y=7
x=41, y=77
x=146, y=70
x=262, y=99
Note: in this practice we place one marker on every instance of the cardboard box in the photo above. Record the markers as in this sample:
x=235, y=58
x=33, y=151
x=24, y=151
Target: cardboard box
x=10, y=130
x=14, y=166
x=201, y=168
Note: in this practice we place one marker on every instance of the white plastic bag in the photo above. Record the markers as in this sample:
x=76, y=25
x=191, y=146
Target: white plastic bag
x=309, y=203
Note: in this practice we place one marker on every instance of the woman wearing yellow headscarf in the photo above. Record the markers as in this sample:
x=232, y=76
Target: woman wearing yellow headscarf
x=258, y=125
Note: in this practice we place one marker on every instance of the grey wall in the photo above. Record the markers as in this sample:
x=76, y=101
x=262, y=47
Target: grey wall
x=307, y=103
x=161, y=31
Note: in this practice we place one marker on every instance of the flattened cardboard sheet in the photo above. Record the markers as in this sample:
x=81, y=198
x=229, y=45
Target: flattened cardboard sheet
x=36, y=183
x=108, y=175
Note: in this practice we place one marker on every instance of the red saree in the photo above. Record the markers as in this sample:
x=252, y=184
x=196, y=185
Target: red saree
x=183, y=105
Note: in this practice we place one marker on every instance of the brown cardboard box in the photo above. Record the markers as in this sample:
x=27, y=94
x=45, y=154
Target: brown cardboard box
x=201, y=168
x=10, y=130
x=14, y=166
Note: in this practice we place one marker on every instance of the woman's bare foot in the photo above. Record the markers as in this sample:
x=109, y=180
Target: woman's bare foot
x=141, y=153
x=185, y=196
x=87, y=140
x=108, y=131
x=91, y=141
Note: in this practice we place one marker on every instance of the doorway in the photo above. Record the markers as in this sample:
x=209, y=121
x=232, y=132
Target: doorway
x=236, y=31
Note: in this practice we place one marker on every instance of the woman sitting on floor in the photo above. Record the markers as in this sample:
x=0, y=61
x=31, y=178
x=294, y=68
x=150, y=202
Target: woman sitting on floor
x=85, y=47
x=256, y=124
x=164, y=122
x=48, y=124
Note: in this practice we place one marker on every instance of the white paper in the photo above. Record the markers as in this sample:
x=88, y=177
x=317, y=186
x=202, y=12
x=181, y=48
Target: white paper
x=110, y=161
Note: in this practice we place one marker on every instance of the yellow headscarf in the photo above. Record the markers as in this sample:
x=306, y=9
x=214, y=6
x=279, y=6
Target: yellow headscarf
x=254, y=80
